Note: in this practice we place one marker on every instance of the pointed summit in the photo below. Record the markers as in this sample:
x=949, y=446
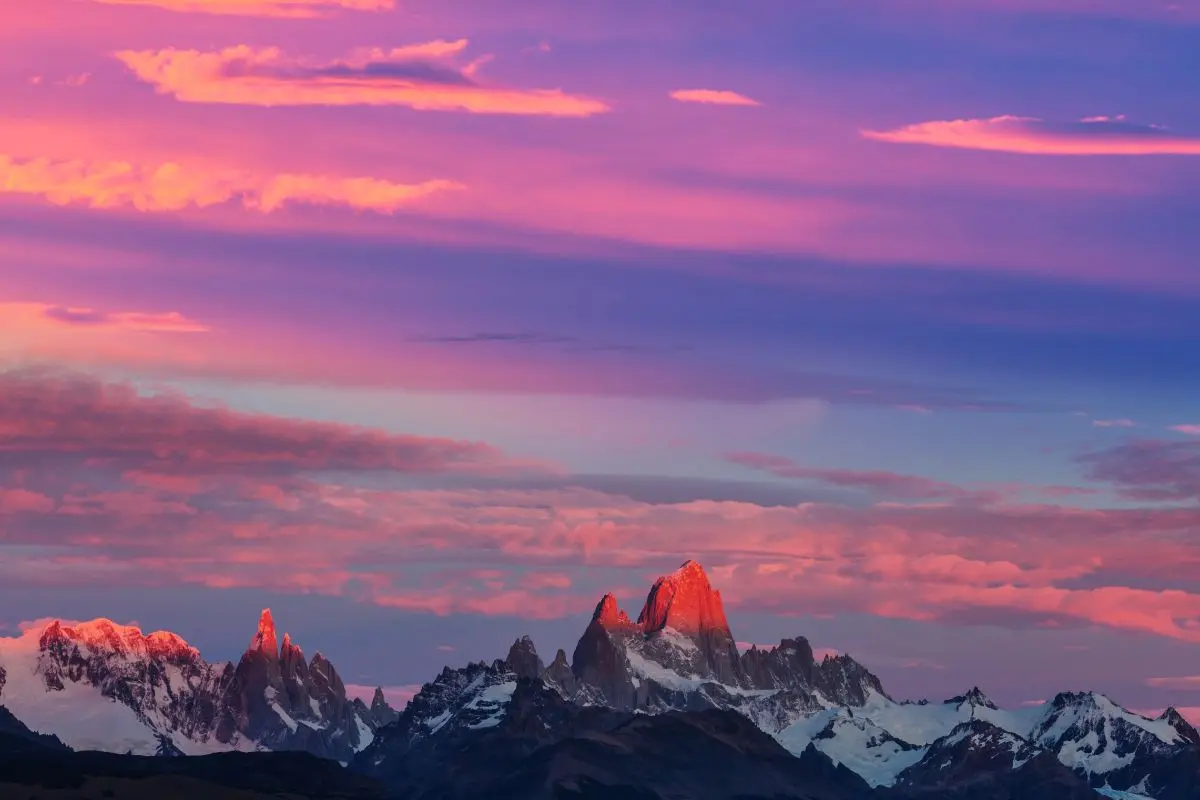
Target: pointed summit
x=608, y=614
x=264, y=640
x=974, y=698
x=685, y=601
x=523, y=659
x=288, y=646
x=1182, y=727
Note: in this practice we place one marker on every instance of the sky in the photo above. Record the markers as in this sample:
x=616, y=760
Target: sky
x=428, y=322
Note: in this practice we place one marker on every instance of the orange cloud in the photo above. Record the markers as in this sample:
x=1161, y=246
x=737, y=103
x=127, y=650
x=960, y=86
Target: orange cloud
x=261, y=8
x=1093, y=136
x=172, y=187
x=422, y=77
x=713, y=97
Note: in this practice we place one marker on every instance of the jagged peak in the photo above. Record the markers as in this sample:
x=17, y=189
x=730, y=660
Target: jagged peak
x=975, y=697
x=264, y=640
x=684, y=600
x=523, y=644
x=1179, y=723
x=1171, y=714
x=1088, y=699
x=560, y=657
x=609, y=614
x=523, y=658
x=288, y=646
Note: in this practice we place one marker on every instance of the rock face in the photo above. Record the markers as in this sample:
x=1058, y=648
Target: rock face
x=161, y=697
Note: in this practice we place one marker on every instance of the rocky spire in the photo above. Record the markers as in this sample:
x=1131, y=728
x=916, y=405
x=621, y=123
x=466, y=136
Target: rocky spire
x=523, y=659
x=608, y=614
x=293, y=670
x=684, y=601
x=264, y=640
x=381, y=710
x=559, y=674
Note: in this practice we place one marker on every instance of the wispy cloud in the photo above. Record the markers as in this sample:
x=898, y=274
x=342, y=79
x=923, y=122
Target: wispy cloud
x=262, y=8
x=426, y=77
x=720, y=97
x=887, y=484
x=1190, y=429
x=48, y=412
x=174, y=187
x=1093, y=136
x=1113, y=423
x=161, y=322
x=1149, y=469
x=1186, y=682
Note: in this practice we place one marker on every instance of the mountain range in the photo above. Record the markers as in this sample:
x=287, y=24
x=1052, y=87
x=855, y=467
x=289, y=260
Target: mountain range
x=661, y=706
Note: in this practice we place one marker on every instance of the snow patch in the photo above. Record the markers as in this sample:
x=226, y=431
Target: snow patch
x=493, y=699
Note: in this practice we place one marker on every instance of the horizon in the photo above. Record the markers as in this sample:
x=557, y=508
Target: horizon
x=427, y=323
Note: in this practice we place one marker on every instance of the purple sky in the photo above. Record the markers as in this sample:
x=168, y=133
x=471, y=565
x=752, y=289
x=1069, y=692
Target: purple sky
x=427, y=323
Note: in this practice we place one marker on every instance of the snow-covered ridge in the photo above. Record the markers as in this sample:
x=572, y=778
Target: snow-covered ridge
x=103, y=686
x=1086, y=731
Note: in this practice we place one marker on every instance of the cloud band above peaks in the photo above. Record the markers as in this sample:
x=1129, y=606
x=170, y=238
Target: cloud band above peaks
x=425, y=77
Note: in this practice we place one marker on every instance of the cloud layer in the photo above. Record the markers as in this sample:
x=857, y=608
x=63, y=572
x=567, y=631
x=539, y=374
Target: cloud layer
x=173, y=187
x=424, y=77
x=1095, y=136
x=262, y=8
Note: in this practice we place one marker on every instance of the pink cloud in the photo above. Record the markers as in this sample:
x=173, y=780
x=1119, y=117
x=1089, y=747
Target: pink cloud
x=1190, y=430
x=13, y=501
x=46, y=412
x=156, y=490
x=160, y=322
x=718, y=97
x=262, y=8
x=423, y=77
x=172, y=187
x=1113, y=423
x=1095, y=136
x=396, y=696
